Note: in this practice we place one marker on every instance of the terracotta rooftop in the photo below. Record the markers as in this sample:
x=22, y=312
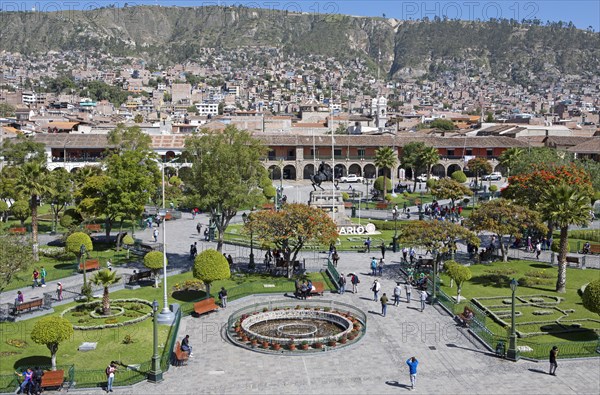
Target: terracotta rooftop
x=591, y=146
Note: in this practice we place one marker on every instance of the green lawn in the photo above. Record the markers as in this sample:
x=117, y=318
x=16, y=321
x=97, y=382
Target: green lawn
x=492, y=281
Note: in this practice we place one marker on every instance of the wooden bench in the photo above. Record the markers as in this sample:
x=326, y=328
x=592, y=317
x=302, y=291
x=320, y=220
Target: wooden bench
x=32, y=304
x=595, y=248
x=135, y=277
x=268, y=206
x=205, y=306
x=466, y=316
x=17, y=231
x=93, y=227
x=90, y=264
x=381, y=206
x=53, y=379
x=179, y=357
x=572, y=259
x=319, y=289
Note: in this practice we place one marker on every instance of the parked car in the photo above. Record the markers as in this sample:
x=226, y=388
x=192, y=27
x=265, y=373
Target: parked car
x=423, y=177
x=351, y=178
x=496, y=176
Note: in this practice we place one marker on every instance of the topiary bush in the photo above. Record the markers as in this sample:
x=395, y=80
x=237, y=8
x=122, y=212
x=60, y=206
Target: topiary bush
x=378, y=184
x=154, y=261
x=591, y=297
x=345, y=196
x=209, y=266
x=76, y=240
x=459, y=176
x=493, y=188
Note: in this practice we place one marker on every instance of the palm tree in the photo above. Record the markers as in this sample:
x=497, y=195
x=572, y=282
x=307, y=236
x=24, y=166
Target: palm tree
x=564, y=205
x=385, y=158
x=429, y=157
x=33, y=184
x=509, y=157
x=105, y=278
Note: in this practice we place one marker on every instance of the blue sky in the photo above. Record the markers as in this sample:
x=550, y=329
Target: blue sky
x=582, y=13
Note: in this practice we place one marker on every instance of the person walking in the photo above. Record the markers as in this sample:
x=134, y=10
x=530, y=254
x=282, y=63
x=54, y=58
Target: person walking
x=59, y=291
x=43, y=275
x=342, y=282
x=538, y=249
x=376, y=288
x=408, y=291
x=110, y=376
x=155, y=234
x=223, y=297
x=382, y=247
x=397, y=294
x=423, y=298
x=553, y=364
x=335, y=257
x=373, y=266
x=380, y=266
x=27, y=383
x=199, y=228
x=36, y=276
x=355, y=281
x=384, y=302
x=412, y=370
x=368, y=245
x=405, y=254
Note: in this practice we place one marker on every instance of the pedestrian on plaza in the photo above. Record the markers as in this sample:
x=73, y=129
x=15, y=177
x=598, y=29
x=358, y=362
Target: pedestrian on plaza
x=230, y=260
x=404, y=207
x=384, y=302
x=110, y=376
x=412, y=370
x=373, y=266
x=380, y=267
x=368, y=245
x=413, y=254
x=27, y=383
x=185, y=346
x=36, y=277
x=355, y=281
x=59, y=291
x=155, y=234
x=109, y=265
x=376, y=287
x=405, y=254
x=397, y=294
x=342, y=282
x=43, y=275
x=423, y=299
x=223, y=297
x=335, y=257
x=206, y=235
x=382, y=247
x=331, y=250
x=553, y=364
x=199, y=228
x=408, y=291
x=538, y=249
x=37, y=380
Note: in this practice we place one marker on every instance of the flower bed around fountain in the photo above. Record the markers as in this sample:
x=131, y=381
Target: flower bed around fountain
x=297, y=329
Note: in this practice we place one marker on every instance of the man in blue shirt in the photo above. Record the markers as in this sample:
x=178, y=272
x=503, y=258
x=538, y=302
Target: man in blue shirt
x=412, y=367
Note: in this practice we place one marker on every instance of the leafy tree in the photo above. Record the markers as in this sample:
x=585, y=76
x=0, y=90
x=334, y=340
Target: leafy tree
x=51, y=331
x=15, y=258
x=292, y=227
x=411, y=158
x=459, y=176
x=128, y=241
x=378, y=184
x=447, y=188
x=479, y=166
x=73, y=245
x=510, y=158
x=459, y=274
x=540, y=158
x=341, y=129
x=592, y=167
x=60, y=192
x=442, y=124
x=19, y=150
x=591, y=296
x=4, y=209
x=99, y=90
x=81, y=175
x=167, y=97
x=429, y=157
x=227, y=173
x=32, y=182
x=139, y=118
x=503, y=217
x=565, y=205
x=6, y=110
x=106, y=278
x=129, y=138
x=210, y=266
x=385, y=158
x=154, y=261
x=21, y=210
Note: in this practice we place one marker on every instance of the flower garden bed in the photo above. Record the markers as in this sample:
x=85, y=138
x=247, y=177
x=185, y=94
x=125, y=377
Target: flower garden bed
x=88, y=316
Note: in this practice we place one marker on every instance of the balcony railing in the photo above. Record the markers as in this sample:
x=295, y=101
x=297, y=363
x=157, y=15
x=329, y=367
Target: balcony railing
x=81, y=159
x=339, y=157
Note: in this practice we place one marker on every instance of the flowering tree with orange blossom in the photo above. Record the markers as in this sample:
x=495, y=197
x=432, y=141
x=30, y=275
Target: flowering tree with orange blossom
x=290, y=228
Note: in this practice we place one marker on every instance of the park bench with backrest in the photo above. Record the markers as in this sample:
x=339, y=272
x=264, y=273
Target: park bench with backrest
x=594, y=248
x=205, y=306
x=93, y=227
x=381, y=206
x=17, y=231
x=179, y=357
x=53, y=379
x=136, y=277
x=572, y=259
x=28, y=306
x=466, y=316
x=90, y=264
x=318, y=289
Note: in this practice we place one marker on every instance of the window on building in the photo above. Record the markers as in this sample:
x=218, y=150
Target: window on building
x=469, y=152
x=361, y=153
x=450, y=152
x=337, y=152
x=272, y=155
x=490, y=152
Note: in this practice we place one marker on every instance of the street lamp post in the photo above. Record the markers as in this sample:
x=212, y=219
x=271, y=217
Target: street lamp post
x=512, y=352
x=395, y=241
x=246, y=218
x=367, y=182
x=82, y=252
x=166, y=316
x=155, y=375
x=420, y=206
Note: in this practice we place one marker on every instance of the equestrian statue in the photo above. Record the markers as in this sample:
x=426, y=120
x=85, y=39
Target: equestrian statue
x=324, y=174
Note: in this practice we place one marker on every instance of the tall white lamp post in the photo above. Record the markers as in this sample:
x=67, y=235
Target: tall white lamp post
x=166, y=316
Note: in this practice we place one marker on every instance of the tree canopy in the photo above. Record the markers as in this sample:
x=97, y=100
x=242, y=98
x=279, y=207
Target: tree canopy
x=210, y=266
x=479, y=166
x=447, y=188
x=76, y=240
x=154, y=261
x=459, y=274
x=51, y=331
x=14, y=259
x=591, y=296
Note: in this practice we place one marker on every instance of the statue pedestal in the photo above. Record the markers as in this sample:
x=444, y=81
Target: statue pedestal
x=331, y=201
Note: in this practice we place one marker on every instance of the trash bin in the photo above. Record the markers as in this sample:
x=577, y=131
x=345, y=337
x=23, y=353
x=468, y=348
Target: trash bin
x=500, y=349
x=353, y=211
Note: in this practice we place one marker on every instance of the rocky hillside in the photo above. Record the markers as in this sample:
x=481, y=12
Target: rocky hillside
x=522, y=53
